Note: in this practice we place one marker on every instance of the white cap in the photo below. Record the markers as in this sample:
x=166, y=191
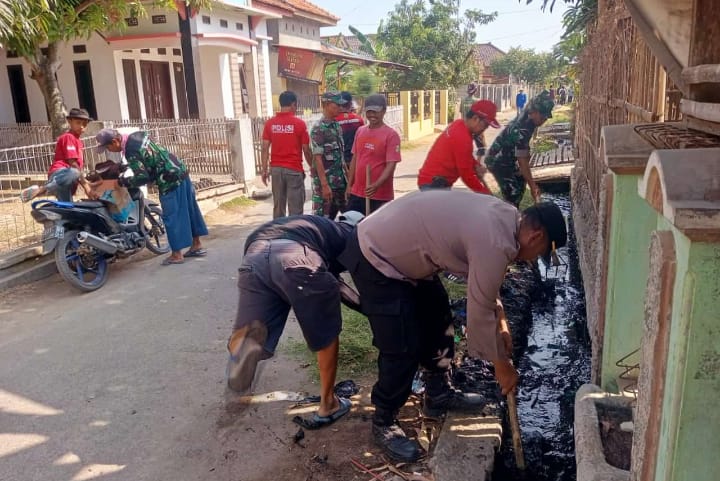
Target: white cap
x=351, y=217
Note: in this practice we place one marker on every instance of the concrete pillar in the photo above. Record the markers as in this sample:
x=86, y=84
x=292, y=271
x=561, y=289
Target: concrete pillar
x=242, y=151
x=405, y=103
x=444, y=107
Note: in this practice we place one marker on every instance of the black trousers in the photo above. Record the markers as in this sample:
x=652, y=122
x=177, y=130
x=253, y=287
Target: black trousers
x=357, y=203
x=411, y=325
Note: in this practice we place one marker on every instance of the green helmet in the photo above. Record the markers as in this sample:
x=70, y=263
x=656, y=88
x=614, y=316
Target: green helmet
x=543, y=103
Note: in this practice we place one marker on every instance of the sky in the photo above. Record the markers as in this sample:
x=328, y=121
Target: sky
x=517, y=24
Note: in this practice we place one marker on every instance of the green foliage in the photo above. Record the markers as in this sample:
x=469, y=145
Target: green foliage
x=237, y=203
x=436, y=40
x=357, y=356
x=527, y=65
x=366, y=45
x=363, y=81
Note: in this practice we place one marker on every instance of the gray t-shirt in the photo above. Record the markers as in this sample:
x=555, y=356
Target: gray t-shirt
x=473, y=235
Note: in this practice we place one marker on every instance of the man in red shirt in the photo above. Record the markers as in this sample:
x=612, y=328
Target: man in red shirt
x=66, y=171
x=285, y=140
x=376, y=146
x=451, y=156
x=349, y=122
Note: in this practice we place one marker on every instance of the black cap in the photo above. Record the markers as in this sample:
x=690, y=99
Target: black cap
x=552, y=219
x=346, y=98
x=76, y=113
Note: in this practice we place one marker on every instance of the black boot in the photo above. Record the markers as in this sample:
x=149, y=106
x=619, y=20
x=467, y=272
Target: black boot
x=388, y=434
x=440, y=396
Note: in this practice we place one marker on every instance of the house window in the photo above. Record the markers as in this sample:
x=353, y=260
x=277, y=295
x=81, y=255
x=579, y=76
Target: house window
x=79, y=49
x=300, y=28
x=162, y=51
x=177, y=52
x=223, y=23
x=293, y=27
x=239, y=26
x=159, y=19
x=144, y=50
x=132, y=21
x=206, y=20
x=11, y=54
x=286, y=26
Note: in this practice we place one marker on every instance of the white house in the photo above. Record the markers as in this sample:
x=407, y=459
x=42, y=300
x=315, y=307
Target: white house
x=148, y=70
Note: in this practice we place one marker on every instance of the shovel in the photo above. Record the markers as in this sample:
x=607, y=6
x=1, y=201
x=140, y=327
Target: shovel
x=515, y=428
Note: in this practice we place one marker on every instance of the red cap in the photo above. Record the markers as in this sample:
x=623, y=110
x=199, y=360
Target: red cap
x=487, y=110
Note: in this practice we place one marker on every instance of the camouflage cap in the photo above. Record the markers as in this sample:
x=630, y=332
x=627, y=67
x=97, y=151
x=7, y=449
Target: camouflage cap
x=543, y=104
x=332, y=96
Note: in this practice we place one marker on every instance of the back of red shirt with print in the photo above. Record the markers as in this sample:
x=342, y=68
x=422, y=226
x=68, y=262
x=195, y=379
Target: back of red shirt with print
x=286, y=134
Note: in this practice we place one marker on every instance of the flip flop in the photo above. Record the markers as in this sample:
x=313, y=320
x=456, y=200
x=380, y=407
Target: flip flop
x=27, y=194
x=316, y=421
x=202, y=252
x=169, y=261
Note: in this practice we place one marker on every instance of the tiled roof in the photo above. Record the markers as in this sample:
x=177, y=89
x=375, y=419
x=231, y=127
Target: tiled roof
x=302, y=6
x=485, y=53
x=349, y=42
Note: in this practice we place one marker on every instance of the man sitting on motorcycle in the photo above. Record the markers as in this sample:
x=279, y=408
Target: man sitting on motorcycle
x=152, y=163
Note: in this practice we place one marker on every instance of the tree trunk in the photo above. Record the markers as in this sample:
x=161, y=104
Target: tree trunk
x=44, y=71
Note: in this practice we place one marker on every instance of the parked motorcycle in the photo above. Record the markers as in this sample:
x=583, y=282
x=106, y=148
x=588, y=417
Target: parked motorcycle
x=86, y=238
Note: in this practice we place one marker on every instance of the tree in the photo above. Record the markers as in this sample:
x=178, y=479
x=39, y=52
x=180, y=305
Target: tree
x=49, y=23
x=436, y=40
x=527, y=65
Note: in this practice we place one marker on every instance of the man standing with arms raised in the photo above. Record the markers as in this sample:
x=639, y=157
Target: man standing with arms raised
x=285, y=140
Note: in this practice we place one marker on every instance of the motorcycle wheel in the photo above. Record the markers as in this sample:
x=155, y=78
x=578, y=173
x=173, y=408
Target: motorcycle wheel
x=157, y=241
x=83, y=266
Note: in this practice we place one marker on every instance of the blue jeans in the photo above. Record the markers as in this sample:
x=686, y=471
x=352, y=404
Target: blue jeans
x=63, y=183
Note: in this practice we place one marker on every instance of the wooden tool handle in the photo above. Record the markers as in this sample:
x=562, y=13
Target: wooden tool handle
x=367, y=184
x=515, y=427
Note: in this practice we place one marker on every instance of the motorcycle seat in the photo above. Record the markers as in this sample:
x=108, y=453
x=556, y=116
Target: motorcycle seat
x=89, y=204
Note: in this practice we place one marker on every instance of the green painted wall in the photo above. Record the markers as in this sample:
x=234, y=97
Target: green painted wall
x=697, y=444
x=632, y=221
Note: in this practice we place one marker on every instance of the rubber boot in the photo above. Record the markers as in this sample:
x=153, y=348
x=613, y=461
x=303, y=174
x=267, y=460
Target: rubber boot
x=440, y=396
x=388, y=435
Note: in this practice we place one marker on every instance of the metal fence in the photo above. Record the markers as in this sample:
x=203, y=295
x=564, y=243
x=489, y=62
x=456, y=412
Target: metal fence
x=204, y=145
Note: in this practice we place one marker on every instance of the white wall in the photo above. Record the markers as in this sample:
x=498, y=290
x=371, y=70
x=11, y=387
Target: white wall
x=226, y=86
x=103, y=70
x=217, y=14
x=210, y=69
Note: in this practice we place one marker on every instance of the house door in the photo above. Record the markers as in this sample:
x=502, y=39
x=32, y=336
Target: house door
x=180, y=90
x=18, y=92
x=131, y=89
x=84, y=83
x=157, y=90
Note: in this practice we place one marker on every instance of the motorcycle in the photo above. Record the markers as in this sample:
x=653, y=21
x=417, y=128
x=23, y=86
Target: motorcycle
x=86, y=237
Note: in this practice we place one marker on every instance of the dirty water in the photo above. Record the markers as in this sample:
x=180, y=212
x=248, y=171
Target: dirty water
x=552, y=352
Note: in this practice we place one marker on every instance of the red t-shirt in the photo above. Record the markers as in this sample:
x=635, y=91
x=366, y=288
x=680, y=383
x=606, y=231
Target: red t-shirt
x=375, y=147
x=349, y=123
x=451, y=156
x=286, y=134
x=68, y=147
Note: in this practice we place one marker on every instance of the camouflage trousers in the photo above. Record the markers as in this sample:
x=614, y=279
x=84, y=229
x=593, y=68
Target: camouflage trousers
x=327, y=208
x=512, y=184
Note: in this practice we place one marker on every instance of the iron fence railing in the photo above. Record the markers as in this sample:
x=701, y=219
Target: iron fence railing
x=204, y=145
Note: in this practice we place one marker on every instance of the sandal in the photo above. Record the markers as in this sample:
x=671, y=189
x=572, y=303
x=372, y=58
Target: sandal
x=169, y=261
x=27, y=194
x=202, y=252
x=316, y=421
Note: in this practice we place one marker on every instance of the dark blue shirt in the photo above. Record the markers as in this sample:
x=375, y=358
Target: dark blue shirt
x=521, y=100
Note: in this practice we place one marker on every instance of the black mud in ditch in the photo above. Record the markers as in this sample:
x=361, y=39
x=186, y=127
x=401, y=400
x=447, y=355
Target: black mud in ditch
x=546, y=312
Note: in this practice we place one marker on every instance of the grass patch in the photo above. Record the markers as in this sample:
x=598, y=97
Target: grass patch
x=237, y=203
x=561, y=114
x=543, y=144
x=357, y=356
x=455, y=290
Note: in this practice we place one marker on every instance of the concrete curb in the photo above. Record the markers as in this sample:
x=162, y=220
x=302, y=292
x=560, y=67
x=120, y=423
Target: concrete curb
x=28, y=271
x=589, y=454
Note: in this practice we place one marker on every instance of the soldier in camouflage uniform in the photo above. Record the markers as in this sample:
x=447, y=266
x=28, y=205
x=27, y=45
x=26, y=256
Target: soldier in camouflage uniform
x=328, y=172
x=508, y=159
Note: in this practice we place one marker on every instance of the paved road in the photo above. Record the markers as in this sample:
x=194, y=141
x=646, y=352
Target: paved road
x=128, y=382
